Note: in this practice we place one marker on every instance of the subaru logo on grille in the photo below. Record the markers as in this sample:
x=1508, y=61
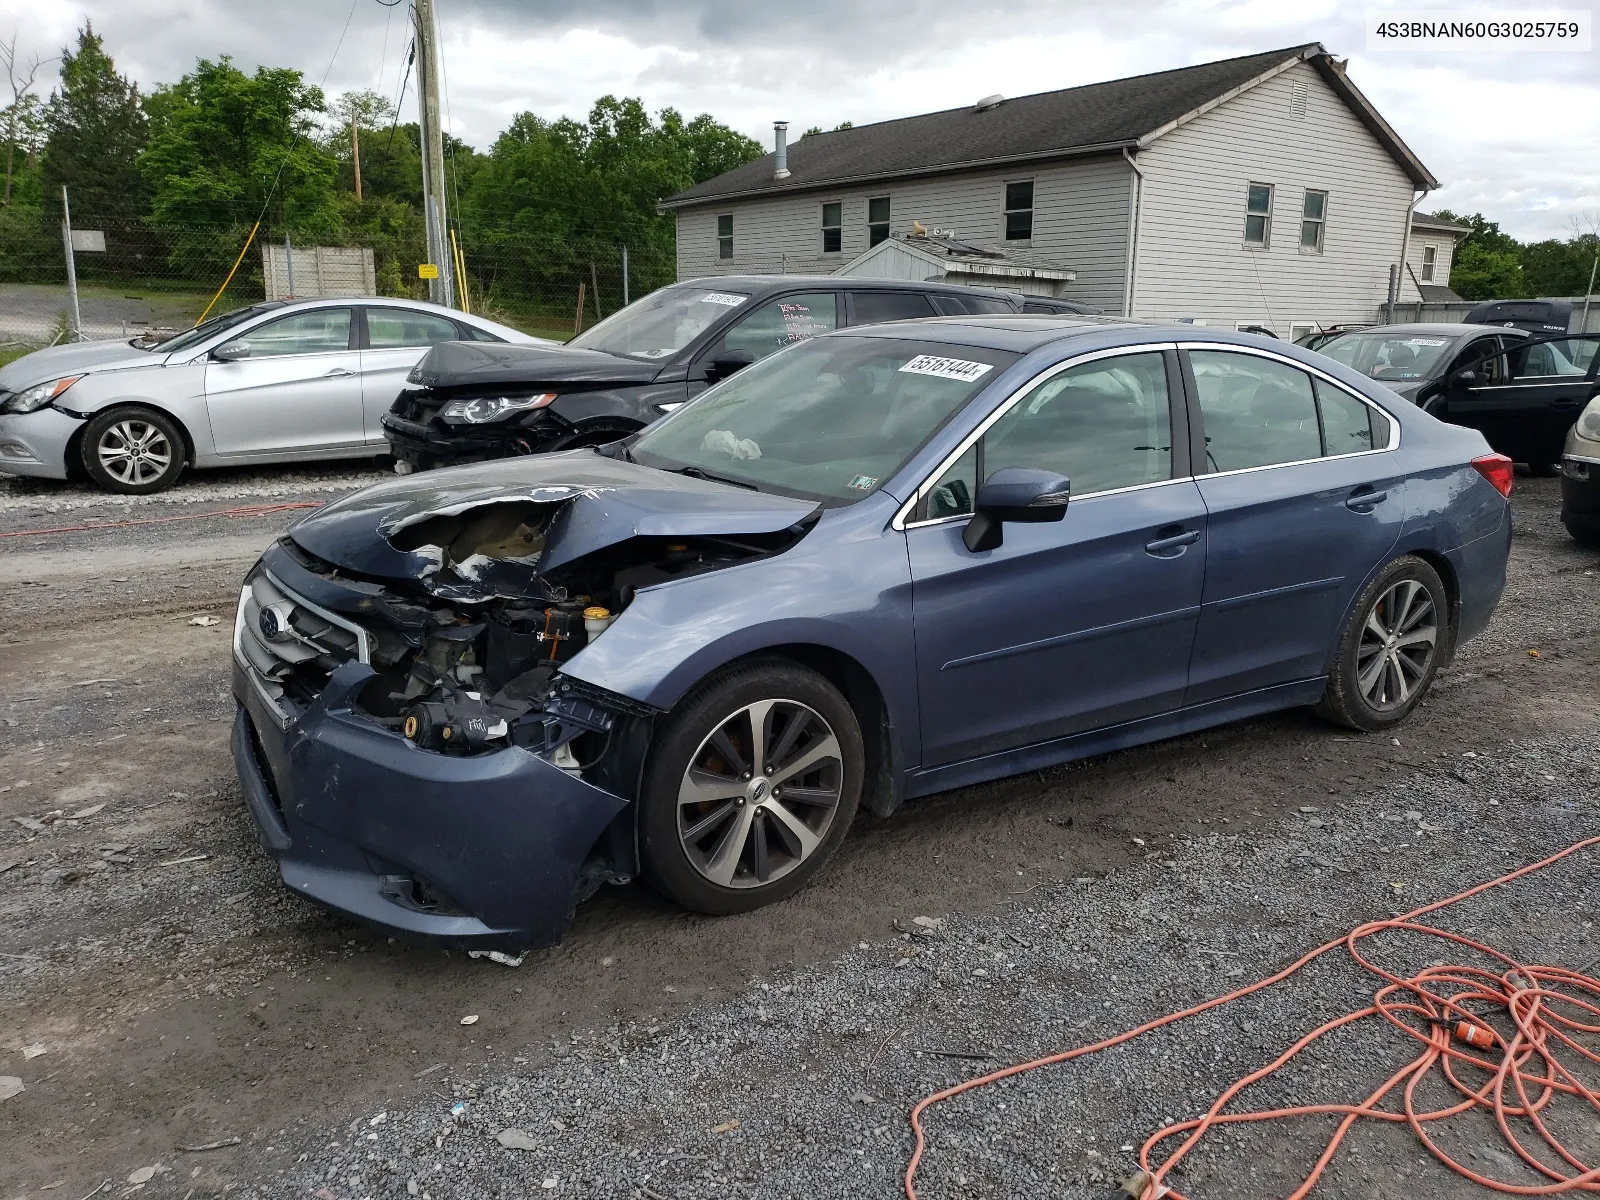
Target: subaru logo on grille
x=273, y=624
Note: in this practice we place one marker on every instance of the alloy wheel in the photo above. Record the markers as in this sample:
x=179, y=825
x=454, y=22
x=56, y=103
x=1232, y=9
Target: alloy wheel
x=1398, y=642
x=134, y=452
x=760, y=793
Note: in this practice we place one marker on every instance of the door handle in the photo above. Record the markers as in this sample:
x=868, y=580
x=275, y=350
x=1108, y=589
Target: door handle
x=1565, y=405
x=337, y=371
x=1364, y=500
x=1176, y=541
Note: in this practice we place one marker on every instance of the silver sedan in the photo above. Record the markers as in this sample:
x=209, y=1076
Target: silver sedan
x=274, y=382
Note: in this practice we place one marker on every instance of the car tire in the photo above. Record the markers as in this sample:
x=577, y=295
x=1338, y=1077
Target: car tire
x=1584, y=537
x=1398, y=633
x=717, y=834
x=133, y=450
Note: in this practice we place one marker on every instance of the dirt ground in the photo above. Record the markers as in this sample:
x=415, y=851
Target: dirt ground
x=160, y=989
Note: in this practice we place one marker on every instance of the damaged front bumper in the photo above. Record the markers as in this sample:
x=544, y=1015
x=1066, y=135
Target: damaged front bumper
x=428, y=445
x=485, y=851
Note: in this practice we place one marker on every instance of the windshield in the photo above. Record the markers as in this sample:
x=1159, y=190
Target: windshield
x=193, y=337
x=1389, y=356
x=660, y=324
x=827, y=419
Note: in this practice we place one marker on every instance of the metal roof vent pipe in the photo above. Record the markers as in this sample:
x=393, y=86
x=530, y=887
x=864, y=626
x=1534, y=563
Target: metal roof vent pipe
x=780, y=136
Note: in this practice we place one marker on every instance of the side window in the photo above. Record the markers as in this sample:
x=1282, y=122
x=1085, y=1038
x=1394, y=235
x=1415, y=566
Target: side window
x=1019, y=211
x=780, y=322
x=1258, y=214
x=725, y=235
x=471, y=333
x=877, y=220
x=1430, y=262
x=1256, y=412
x=1104, y=425
x=391, y=328
x=1349, y=426
x=318, y=331
x=1568, y=359
x=871, y=308
x=1490, y=371
x=832, y=228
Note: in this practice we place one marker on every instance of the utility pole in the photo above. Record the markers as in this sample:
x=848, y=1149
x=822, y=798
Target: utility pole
x=441, y=290
x=355, y=154
x=72, y=268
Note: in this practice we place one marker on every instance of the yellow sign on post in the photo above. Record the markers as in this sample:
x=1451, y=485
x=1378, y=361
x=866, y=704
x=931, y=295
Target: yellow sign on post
x=427, y=271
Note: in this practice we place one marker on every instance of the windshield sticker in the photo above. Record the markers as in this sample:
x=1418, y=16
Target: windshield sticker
x=946, y=368
x=724, y=298
x=863, y=483
x=1427, y=341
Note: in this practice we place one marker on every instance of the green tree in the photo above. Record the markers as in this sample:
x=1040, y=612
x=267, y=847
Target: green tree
x=1560, y=268
x=223, y=144
x=95, y=130
x=1487, y=264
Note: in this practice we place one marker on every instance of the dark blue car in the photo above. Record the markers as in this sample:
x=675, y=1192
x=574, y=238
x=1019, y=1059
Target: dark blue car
x=881, y=563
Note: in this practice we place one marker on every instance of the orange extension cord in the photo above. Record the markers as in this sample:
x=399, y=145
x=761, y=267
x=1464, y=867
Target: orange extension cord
x=1433, y=1007
x=248, y=510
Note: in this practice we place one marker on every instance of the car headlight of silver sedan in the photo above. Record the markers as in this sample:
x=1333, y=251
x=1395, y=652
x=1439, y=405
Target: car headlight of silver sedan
x=1589, y=421
x=31, y=399
x=480, y=410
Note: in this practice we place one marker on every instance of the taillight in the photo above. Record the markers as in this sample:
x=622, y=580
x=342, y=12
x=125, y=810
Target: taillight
x=1496, y=468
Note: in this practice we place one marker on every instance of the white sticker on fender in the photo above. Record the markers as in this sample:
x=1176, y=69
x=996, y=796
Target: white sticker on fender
x=726, y=298
x=946, y=368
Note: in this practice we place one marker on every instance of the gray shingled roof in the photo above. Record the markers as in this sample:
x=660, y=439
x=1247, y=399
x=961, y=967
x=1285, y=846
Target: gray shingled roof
x=1097, y=117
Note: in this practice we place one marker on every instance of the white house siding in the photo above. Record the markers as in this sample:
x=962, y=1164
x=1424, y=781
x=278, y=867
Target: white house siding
x=1191, y=257
x=1080, y=221
x=1445, y=244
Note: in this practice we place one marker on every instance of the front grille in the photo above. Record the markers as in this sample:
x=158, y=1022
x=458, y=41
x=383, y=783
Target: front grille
x=289, y=645
x=420, y=407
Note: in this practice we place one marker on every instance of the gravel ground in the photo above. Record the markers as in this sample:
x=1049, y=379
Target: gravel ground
x=183, y=1000
x=23, y=497
x=800, y=1087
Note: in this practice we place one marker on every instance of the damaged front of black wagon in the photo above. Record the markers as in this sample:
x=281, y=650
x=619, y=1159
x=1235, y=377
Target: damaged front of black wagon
x=407, y=740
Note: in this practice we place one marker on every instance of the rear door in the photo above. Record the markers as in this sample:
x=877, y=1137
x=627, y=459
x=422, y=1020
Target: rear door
x=875, y=306
x=298, y=390
x=1526, y=399
x=1304, y=498
x=395, y=340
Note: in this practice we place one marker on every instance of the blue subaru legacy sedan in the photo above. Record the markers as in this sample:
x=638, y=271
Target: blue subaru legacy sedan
x=878, y=564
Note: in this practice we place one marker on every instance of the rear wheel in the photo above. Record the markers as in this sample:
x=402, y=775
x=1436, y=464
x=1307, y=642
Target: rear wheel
x=1584, y=537
x=133, y=450
x=752, y=784
x=1390, y=649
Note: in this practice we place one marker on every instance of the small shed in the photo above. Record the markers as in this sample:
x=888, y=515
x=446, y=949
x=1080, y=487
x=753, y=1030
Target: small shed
x=923, y=256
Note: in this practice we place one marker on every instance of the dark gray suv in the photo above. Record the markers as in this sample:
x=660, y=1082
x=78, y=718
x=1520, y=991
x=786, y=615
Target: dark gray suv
x=471, y=401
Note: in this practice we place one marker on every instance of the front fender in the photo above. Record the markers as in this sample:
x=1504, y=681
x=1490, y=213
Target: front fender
x=176, y=392
x=845, y=587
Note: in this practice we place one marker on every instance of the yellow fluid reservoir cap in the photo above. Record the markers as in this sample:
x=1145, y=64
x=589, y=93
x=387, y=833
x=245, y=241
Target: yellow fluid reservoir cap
x=597, y=613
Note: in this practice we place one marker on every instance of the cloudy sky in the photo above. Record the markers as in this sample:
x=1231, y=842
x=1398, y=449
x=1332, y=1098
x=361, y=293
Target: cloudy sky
x=1511, y=135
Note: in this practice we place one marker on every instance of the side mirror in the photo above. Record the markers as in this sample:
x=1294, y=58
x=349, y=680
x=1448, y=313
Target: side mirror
x=1465, y=378
x=1015, y=494
x=728, y=362
x=231, y=352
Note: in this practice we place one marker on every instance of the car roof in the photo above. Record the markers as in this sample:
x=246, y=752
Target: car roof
x=1439, y=329
x=1026, y=332
x=774, y=283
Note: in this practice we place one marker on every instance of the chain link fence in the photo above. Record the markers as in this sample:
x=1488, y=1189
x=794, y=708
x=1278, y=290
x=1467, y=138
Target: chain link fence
x=154, y=279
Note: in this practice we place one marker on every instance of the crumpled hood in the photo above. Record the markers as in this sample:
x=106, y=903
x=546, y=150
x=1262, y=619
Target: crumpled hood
x=385, y=530
x=75, y=358
x=493, y=364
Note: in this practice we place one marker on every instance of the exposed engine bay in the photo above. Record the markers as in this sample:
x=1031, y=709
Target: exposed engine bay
x=467, y=655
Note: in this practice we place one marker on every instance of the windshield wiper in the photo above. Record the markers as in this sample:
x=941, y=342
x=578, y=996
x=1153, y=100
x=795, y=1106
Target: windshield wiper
x=698, y=473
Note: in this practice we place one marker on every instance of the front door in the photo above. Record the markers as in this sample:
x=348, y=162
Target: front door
x=767, y=329
x=396, y=340
x=1526, y=399
x=298, y=390
x=1072, y=625
x=1303, y=501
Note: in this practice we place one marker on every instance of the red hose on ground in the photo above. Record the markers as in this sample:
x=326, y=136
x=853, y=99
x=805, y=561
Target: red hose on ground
x=1448, y=1008
x=248, y=510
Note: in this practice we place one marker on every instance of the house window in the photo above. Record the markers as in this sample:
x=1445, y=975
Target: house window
x=1430, y=260
x=1019, y=211
x=1300, y=329
x=832, y=228
x=1258, y=215
x=1313, y=215
x=725, y=236
x=877, y=220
